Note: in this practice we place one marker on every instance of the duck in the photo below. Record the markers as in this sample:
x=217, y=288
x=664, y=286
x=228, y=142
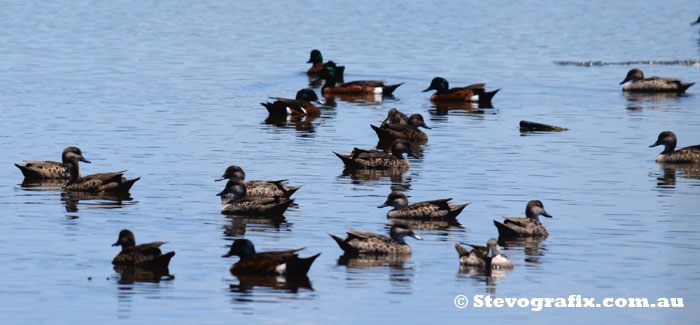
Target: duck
x=471, y=93
x=316, y=60
x=489, y=257
x=409, y=131
x=689, y=154
x=144, y=255
x=300, y=106
x=394, y=116
x=360, y=87
x=240, y=204
x=475, y=257
x=436, y=209
x=360, y=242
x=102, y=182
x=525, y=227
x=258, y=188
x=47, y=170
x=373, y=159
x=267, y=263
x=635, y=82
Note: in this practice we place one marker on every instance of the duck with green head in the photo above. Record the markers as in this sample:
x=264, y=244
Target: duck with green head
x=316, y=60
x=472, y=93
x=333, y=85
x=300, y=106
x=267, y=263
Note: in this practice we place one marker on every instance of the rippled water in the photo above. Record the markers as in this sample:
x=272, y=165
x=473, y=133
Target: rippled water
x=170, y=91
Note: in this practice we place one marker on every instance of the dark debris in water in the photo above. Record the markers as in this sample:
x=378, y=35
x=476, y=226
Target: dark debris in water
x=639, y=62
x=527, y=126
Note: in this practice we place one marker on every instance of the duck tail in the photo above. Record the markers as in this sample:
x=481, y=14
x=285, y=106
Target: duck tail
x=29, y=173
x=388, y=90
x=342, y=243
x=461, y=250
x=127, y=184
x=486, y=97
x=279, y=209
x=455, y=210
x=340, y=71
x=504, y=231
x=383, y=134
x=164, y=259
x=347, y=161
x=301, y=266
x=685, y=86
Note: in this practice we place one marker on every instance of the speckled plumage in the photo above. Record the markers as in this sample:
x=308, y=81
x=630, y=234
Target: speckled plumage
x=241, y=204
x=373, y=159
x=37, y=170
x=258, y=188
x=668, y=139
x=635, y=82
x=409, y=130
x=102, y=182
x=525, y=227
x=435, y=209
x=144, y=255
x=361, y=242
x=267, y=263
x=475, y=257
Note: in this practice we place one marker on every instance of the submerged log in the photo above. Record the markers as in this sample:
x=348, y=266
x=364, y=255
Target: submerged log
x=526, y=126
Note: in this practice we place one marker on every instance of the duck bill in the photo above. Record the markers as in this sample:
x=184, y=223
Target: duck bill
x=544, y=213
x=221, y=193
x=415, y=236
x=220, y=179
x=413, y=155
x=84, y=160
x=655, y=144
x=425, y=126
x=115, y=244
x=695, y=22
x=383, y=205
x=623, y=81
x=227, y=255
x=427, y=89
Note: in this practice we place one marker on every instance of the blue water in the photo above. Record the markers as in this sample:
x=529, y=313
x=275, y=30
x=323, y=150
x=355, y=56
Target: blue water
x=171, y=92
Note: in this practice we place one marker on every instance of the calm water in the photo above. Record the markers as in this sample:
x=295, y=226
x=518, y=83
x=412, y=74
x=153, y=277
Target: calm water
x=171, y=92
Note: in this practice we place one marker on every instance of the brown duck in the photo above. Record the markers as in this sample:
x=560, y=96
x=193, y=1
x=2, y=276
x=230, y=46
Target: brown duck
x=409, y=130
x=670, y=155
x=241, y=204
x=525, y=227
x=39, y=170
x=436, y=209
x=144, y=255
x=489, y=257
x=361, y=242
x=258, y=188
x=267, y=263
x=373, y=159
x=103, y=182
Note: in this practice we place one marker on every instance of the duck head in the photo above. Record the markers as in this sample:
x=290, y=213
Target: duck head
x=71, y=157
x=439, y=84
x=307, y=94
x=396, y=199
x=417, y=120
x=666, y=138
x=242, y=248
x=236, y=188
x=232, y=171
x=399, y=147
x=492, y=248
x=399, y=231
x=534, y=209
x=126, y=239
x=633, y=75
x=315, y=57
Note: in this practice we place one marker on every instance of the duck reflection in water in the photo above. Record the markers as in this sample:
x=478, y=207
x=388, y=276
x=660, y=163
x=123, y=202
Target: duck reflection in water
x=290, y=284
x=133, y=274
x=671, y=170
x=441, y=109
x=299, y=123
x=240, y=224
x=104, y=200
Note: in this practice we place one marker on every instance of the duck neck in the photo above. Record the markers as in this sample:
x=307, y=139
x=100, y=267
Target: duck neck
x=74, y=171
x=398, y=238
